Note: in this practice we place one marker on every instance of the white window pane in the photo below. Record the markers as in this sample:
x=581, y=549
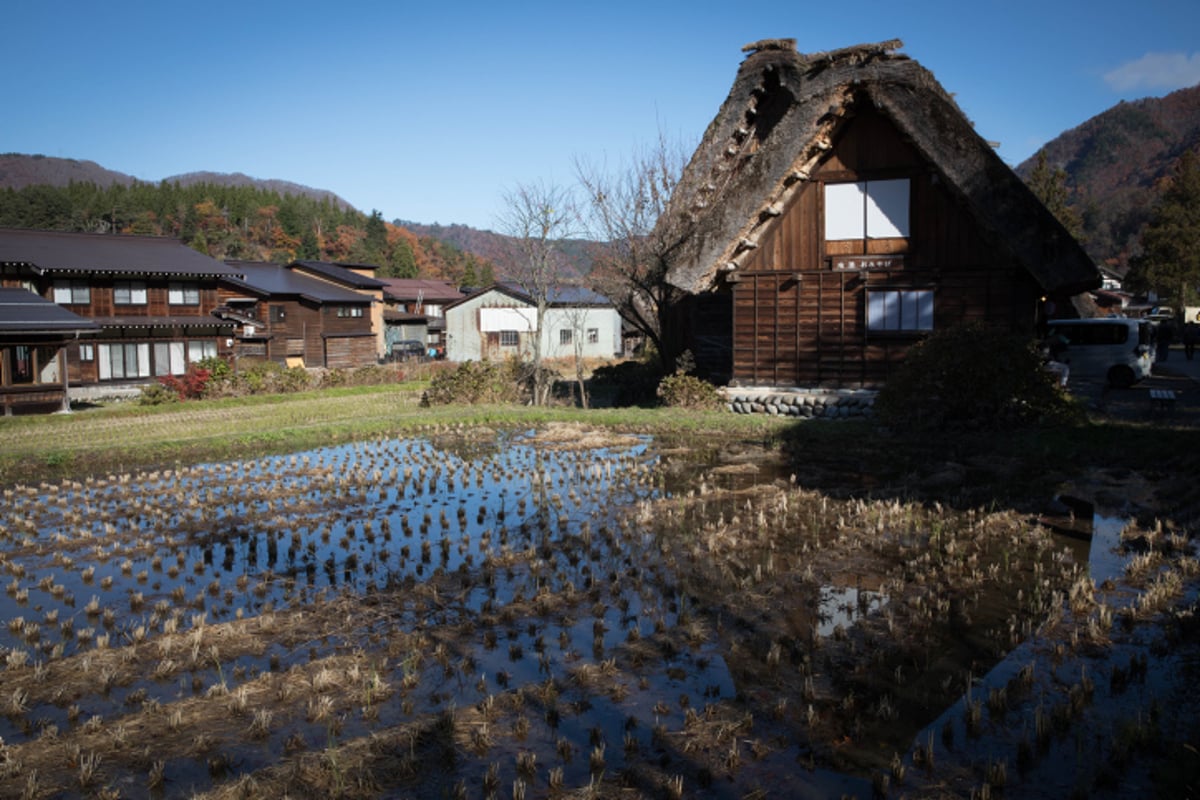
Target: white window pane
x=924, y=311
x=105, y=366
x=844, y=211
x=143, y=360
x=887, y=209
x=137, y=293
x=62, y=292
x=178, y=362
x=162, y=358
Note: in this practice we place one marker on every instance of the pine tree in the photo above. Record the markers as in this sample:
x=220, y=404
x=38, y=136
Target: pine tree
x=1169, y=262
x=1050, y=186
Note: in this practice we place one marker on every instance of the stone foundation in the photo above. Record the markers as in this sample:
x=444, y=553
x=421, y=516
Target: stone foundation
x=803, y=403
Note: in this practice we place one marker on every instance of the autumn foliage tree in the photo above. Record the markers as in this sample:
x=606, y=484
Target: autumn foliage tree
x=239, y=222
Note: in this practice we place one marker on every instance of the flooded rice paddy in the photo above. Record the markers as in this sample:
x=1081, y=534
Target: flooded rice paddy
x=544, y=613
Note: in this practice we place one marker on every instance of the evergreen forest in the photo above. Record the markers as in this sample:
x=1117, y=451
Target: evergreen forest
x=244, y=223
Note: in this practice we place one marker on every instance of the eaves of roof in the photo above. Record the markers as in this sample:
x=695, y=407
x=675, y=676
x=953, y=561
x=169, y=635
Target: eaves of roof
x=23, y=312
x=761, y=150
x=58, y=252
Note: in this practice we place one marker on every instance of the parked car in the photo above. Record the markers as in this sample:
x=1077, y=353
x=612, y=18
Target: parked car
x=407, y=350
x=1114, y=349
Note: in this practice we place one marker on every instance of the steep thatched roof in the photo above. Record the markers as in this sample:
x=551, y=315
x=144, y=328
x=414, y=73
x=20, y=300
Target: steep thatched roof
x=780, y=120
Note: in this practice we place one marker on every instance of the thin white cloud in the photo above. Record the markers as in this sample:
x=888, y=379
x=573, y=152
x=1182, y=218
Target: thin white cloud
x=1159, y=71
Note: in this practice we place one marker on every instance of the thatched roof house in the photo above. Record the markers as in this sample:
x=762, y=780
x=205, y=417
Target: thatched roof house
x=845, y=172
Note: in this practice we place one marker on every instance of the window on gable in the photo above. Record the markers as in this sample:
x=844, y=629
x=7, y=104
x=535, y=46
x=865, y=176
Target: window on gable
x=129, y=293
x=866, y=210
x=900, y=310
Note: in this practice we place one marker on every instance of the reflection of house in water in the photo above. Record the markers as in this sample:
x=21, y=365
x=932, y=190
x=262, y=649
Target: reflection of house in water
x=414, y=310
x=34, y=333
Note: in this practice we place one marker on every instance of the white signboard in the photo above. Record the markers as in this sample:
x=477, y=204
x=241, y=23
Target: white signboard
x=509, y=318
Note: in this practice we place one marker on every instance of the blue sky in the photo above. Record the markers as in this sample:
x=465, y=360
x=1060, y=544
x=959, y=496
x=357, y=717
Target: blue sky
x=430, y=112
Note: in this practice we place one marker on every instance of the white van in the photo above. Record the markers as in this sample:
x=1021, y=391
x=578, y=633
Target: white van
x=1116, y=349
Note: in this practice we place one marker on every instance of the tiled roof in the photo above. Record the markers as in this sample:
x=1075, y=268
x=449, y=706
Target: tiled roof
x=57, y=251
x=277, y=280
x=22, y=311
x=430, y=291
x=341, y=273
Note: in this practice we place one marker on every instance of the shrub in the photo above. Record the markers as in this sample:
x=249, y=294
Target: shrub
x=629, y=383
x=477, y=382
x=156, y=394
x=974, y=376
x=687, y=391
x=192, y=385
x=218, y=368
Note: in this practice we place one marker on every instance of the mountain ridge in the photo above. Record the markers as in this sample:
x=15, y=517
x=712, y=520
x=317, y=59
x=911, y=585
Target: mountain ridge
x=1115, y=165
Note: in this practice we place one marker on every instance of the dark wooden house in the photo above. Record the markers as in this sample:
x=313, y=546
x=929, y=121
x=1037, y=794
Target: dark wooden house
x=287, y=316
x=152, y=297
x=840, y=207
x=34, y=333
x=358, y=278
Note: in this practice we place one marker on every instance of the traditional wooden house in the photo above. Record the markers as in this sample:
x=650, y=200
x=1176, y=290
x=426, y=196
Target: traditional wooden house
x=840, y=207
x=152, y=297
x=34, y=333
x=356, y=277
x=414, y=309
x=501, y=321
x=287, y=316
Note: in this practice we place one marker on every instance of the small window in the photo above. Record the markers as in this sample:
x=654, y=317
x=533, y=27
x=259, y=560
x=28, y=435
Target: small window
x=198, y=349
x=509, y=338
x=183, y=294
x=593, y=336
x=129, y=293
x=565, y=336
x=278, y=313
x=906, y=310
x=72, y=292
x=87, y=352
x=349, y=311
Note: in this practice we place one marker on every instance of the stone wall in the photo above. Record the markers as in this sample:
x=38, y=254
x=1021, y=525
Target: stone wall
x=805, y=403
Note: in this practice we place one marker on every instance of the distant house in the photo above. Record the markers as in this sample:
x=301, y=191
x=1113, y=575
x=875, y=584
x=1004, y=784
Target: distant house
x=152, y=298
x=292, y=318
x=356, y=277
x=839, y=208
x=501, y=321
x=34, y=333
x=414, y=309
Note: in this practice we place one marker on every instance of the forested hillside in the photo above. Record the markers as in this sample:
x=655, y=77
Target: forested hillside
x=1115, y=164
x=238, y=222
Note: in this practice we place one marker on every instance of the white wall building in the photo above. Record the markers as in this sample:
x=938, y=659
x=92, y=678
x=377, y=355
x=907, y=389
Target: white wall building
x=501, y=321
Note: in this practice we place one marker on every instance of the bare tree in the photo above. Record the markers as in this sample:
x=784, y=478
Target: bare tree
x=576, y=316
x=625, y=213
x=536, y=218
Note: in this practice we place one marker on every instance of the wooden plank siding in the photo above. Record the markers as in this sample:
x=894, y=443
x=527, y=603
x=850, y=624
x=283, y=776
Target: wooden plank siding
x=797, y=320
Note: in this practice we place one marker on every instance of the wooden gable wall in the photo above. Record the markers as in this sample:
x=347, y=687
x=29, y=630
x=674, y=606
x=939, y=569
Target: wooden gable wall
x=799, y=319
